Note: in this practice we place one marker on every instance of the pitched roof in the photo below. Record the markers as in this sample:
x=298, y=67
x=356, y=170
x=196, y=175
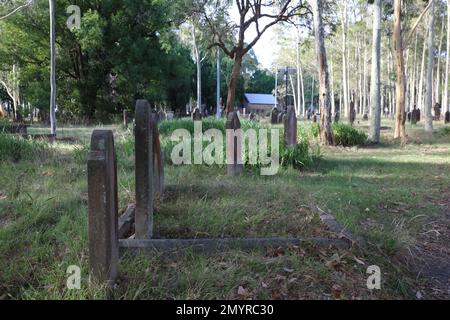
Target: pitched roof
x=257, y=98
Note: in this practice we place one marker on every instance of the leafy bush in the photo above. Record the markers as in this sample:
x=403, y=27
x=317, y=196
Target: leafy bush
x=347, y=136
x=445, y=131
x=166, y=127
x=16, y=148
x=315, y=130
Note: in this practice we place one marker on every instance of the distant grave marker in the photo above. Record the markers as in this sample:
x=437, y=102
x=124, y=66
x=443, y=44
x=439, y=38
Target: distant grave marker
x=234, y=143
x=290, y=127
x=274, y=116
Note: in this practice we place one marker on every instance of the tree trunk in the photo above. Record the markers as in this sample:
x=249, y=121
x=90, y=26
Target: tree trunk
x=233, y=83
x=291, y=80
x=375, y=90
x=438, y=68
x=447, y=64
x=344, y=60
x=326, y=133
x=400, y=83
x=422, y=73
x=412, y=89
x=303, y=91
x=52, y=69
x=198, y=62
x=333, y=102
x=299, y=100
x=430, y=67
x=365, y=104
x=199, y=83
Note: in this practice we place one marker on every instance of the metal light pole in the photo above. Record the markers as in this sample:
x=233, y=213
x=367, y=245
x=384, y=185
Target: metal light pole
x=276, y=87
x=218, y=112
x=286, y=71
x=52, y=69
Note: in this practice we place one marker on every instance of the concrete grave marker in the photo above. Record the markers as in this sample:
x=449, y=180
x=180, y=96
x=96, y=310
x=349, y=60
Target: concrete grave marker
x=274, y=116
x=234, y=145
x=103, y=207
x=290, y=127
x=144, y=157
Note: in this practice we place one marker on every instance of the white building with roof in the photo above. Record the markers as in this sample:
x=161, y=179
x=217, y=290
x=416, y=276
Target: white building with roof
x=259, y=103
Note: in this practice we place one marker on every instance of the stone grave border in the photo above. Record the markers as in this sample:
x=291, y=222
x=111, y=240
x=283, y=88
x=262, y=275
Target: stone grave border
x=109, y=234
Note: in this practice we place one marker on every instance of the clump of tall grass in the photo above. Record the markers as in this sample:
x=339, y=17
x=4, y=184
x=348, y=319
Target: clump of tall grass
x=347, y=136
x=167, y=127
x=16, y=148
x=445, y=131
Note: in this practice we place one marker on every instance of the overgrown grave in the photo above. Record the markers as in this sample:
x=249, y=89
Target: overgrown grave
x=110, y=235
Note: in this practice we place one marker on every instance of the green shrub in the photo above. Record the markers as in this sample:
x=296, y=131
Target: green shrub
x=16, y=148
x=445, y=131
x=315, y=130
x=167, y=127
x=347, y=136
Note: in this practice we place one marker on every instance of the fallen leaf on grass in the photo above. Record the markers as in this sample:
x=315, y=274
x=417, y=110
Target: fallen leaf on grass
x=334, y=262
x=336, y=291
x=419, y=295
x=243, y=292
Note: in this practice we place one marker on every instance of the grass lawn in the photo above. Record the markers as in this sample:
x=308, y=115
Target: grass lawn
x=395, y=196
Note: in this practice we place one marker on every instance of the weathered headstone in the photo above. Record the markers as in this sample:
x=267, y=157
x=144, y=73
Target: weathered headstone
x=234, y=143
x=280, y=117
x=337, y=117
x=161, y=115
x=125, y=119
x=447, y=117
x=352, y=113
x=290, y=127
x=196, y=115
x=274, y=116
x=144, y=158
x=437, y=112
x=415, y=116
x=103, y=207
x=158, y=168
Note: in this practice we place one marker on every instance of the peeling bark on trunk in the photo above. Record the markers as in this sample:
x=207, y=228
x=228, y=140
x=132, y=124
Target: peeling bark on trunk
x=400, y=83
x=430, y=67
x=231, y=96
x=375, y=89
x=326, y=133
x=446, y=90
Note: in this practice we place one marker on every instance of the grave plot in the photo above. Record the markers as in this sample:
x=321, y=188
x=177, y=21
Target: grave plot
x=110, y=236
